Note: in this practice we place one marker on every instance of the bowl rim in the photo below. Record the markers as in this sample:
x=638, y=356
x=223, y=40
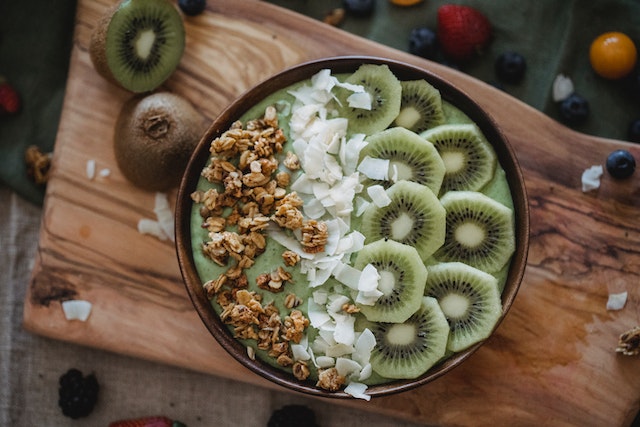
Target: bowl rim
x=338, y=64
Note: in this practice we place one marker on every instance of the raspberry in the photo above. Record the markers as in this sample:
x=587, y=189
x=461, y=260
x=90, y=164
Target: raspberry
x=77, y=394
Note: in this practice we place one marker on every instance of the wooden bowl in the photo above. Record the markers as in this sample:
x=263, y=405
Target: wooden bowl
x=403, y=71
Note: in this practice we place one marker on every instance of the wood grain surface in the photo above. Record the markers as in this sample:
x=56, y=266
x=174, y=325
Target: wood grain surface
x=552, y=361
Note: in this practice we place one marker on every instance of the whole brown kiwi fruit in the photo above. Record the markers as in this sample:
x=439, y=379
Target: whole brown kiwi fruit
x=154, y=138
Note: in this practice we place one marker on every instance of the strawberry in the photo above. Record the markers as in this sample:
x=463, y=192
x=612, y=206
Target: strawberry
x=154, y=421
x=9, y=98
x=463, y=32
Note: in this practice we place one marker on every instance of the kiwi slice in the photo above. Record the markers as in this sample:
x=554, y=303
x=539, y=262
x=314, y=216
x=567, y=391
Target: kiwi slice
x=409, y=349
x=385, y=91
x=468, y=157
x=402, y=277
x=480, y=231
x=154, y=138
x=420, y=106
x=138, y=44
x=415, y=217
x=469, y=299
x=409, y=155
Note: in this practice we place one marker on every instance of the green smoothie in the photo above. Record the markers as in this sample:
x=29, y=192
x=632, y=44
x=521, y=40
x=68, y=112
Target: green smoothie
x=271, y=259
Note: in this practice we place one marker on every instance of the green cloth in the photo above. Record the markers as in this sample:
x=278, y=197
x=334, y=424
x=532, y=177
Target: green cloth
x=554, y=36
x=35, y=45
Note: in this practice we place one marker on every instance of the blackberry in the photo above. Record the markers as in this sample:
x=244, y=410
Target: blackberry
x=293, y=416
x=77, y=394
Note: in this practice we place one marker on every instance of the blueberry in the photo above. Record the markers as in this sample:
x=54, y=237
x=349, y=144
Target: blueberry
x=192, y=7
x=359, y=7
x=574, y=109
x=634, y=131
x=510, y=67
x=423, y=42
x=621, y=164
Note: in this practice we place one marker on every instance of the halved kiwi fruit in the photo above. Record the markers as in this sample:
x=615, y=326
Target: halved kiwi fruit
x=154, y=138
x=411, y=348
x=469, y=299
x=479, y=231
x=415, y=217
x=409, y=155
x=402, y=278
x=138, y=44
x=469, y=159
x=420, y=106
x=385, y=91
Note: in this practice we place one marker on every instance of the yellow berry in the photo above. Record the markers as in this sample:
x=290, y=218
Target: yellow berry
x=405, y=2
x=613, y=55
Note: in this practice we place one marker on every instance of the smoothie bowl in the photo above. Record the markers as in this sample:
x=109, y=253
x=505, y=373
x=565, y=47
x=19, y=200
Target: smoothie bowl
x=352, y=227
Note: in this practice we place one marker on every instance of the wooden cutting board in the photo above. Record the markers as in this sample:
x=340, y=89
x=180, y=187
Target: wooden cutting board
x=551, y=362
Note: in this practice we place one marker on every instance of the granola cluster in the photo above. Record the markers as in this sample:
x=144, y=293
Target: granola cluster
x=629, y=342
x=249, y=195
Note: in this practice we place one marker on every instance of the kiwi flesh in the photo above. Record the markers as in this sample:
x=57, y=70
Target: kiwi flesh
x=409, y=349
x=469, y=159
x=409, y=155
x=479, y=231
x=420, y=106
x=402, y=278
x=469, y=299
x=138, y=44
x=415, y=217
x=154, y=138
x=385, y=91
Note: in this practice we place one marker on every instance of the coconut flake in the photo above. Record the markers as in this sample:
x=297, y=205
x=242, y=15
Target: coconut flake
x=164, y=214
x=152, y=228
x=346, y=366
x=76, y=309
x=347, y=275
x=300, y=352
x=357, y=390
x=361, y=100
x=379, y=196
x=325, y=362
x=344, y=332
x=91, y=169
x=617, y=301
x=591, y=178
x=374, y=168
x=562, y=88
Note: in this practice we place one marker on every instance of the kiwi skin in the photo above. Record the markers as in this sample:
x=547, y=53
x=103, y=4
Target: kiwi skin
x=154, y=137
x=97, y=50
